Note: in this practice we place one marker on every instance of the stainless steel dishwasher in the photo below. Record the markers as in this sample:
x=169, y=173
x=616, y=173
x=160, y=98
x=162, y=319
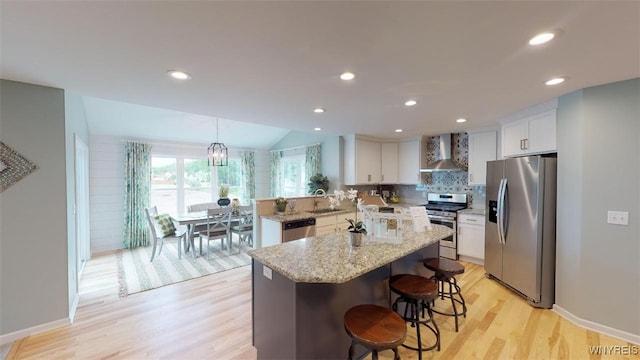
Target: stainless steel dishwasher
x=298, y=229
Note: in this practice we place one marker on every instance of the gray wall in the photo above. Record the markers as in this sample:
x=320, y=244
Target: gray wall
x=598, y=274
x=33, y=221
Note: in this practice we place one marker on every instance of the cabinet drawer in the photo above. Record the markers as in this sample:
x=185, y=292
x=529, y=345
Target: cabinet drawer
x=325, y=221
x=471, y=219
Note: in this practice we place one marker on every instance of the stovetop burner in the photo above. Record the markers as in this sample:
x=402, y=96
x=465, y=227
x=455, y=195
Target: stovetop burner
x=445, y=204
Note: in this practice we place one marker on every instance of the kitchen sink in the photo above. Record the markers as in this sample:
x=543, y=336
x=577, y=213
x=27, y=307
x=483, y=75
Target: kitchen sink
x=323, y=211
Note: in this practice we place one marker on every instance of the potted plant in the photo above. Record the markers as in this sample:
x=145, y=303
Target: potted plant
x=281, y=204
x=223, y=193
x=318, y=181
x=356, y=229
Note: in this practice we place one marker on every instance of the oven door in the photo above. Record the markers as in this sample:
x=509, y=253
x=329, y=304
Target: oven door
x=448, y=246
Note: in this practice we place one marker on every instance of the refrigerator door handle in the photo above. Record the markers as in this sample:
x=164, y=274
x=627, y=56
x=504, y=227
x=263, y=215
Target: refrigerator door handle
x=500, y=217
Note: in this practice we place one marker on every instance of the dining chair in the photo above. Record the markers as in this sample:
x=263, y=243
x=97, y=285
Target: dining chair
x=243, y=226
x=159, y=235
x=197, y=228
x=217, y=227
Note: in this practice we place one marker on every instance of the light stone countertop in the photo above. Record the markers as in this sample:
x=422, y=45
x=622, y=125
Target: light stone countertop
x=331, y=258
x=480, y=212
x=298, y=215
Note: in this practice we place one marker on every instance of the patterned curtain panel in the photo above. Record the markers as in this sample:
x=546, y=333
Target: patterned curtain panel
x=312, y=160
x=248, y=171
x=137, y=193
x=276, y=175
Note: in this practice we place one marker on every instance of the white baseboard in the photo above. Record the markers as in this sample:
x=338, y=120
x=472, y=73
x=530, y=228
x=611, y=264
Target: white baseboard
x=471, y=260
x=74, y=307
x=16, y=335
x=603, y=329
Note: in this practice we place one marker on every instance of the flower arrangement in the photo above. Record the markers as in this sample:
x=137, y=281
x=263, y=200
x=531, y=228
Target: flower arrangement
x=339, y=195
x=223, y=191
x=355, y=225
x=281, y=204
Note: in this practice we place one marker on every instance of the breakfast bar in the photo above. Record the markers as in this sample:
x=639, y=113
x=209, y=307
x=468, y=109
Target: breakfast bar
x=301, y=289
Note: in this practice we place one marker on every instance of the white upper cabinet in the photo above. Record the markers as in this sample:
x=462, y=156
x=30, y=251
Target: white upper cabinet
x=389, y=163
x=534, y=134
x=361, y=161
x=482, y=148
x=409, y=156
x=368, y=161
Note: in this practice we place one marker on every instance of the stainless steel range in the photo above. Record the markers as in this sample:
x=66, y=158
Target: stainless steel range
x=443, y=209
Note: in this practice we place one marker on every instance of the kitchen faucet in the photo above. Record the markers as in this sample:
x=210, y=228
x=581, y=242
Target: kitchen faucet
x=315, y=198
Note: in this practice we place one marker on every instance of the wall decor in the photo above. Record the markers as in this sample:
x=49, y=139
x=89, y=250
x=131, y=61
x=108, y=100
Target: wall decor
x=13, y=167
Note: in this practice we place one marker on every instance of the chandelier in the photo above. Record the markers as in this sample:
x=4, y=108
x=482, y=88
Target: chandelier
x=217, y=153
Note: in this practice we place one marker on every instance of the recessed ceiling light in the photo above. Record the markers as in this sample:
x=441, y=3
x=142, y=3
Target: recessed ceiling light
x=318, y=110
x=541, y=38
x=347, y=76
x=555, y=81
x=398, y=130
x=410, y=102
x=317, y=129
x=180, y=75
x=461, y=120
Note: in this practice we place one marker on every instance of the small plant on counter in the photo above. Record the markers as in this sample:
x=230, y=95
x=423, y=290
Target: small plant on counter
x=356, y=226
x=281, y=204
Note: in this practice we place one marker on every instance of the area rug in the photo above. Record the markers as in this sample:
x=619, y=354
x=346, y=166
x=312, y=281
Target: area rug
x=136, y=273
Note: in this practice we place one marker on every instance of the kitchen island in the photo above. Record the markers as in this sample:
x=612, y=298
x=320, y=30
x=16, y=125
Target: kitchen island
x=301, y=289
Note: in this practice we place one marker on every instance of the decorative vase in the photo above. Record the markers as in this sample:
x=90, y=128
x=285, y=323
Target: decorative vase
x=282, y=207
x=224, y=201
x=356, y=238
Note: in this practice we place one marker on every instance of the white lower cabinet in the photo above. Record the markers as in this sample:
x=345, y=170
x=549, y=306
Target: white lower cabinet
x=332, y=223
x=471, y=238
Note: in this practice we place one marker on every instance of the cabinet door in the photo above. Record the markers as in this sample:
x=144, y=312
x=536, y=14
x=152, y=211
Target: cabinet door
x=409, y=162
x=389, y=163
x=514, y=136
x=542, y=133
x=482, y=148
x=471, y=241
x=367, y=162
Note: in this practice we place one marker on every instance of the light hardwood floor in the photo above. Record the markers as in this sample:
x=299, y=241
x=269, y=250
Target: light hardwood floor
x=210, y=318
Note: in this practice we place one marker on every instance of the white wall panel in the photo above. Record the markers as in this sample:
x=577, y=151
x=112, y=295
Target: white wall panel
x=107, y=192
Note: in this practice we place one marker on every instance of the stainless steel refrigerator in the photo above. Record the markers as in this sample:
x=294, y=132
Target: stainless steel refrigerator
x=520, y=229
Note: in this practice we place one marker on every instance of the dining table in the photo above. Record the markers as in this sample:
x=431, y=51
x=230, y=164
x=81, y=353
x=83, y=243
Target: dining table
x=193, y=219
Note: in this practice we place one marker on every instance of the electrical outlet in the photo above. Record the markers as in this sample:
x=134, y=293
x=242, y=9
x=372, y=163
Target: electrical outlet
x=267, y=272
x=618, y=217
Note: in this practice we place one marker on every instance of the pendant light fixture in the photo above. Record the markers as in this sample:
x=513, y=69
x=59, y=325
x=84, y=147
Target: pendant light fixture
x=217, y=152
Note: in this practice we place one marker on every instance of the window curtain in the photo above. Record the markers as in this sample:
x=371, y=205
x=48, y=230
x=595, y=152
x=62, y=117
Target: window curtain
x=312, y=160
x=248, y=175
x=137, y=193
x=276, y=174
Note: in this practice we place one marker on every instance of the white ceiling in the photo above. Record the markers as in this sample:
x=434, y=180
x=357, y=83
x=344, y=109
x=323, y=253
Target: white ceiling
x=271, y=63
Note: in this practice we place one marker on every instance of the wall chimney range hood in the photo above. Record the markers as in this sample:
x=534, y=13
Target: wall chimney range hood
x=445, y=163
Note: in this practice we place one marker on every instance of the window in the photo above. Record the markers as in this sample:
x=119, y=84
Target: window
x=197, y=182
x=230, y=175
x=293, y=175
x=164, y=184
x=178, y=182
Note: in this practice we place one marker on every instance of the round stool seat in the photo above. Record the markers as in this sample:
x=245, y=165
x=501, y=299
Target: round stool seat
x=375, y=327
x=413, y=287
x=445, y=271
x=447, y=267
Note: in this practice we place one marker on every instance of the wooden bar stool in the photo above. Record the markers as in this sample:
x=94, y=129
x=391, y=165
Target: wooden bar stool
x=445, y=272
x=374, y=327
x=418, y=293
